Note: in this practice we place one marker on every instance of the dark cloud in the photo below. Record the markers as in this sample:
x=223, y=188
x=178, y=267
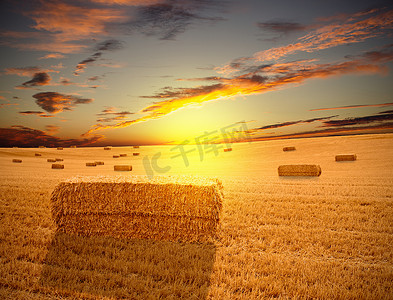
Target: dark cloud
x=22, y=136
x=359, y=120
x=386, y=112
x=170, y=18
x=54, y=102
x=284, y=124
x=281, y=26
x=109, y=114
x=100, y=48
x=354, y=106
x=94, y=78
x=31, y=112
x=39, y=79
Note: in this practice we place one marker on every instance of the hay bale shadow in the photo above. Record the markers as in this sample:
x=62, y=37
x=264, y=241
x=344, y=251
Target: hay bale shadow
x=127, y=268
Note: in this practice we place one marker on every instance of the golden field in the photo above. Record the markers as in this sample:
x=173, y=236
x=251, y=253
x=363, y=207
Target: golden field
x=327, y=237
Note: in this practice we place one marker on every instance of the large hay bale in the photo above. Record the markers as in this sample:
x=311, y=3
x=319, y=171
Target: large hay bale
x=51, y=160
x=57, y=166
x=135, y=154
x=285, y=149
x=91, y=164
x=99, y=163
x=299, y=170
x=122, y=168
x=59, y=148
x=107, y=148
x=15, y=160
x=37, y=154
x=165, y=208
x=346, y=157
x=227, y=149
x=123, y=155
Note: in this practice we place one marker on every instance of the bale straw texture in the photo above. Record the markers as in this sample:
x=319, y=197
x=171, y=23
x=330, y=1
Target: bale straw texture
x=227, y=149
x=99, y=163
x=15, y=160
x=346, y=157
x=91, y=164
x=37, y=154
x=57, y=166
x=285, y=149
x=51, y=160
x=123, y=155
x=135, y=154
x=122, y=168
x=299, y=170
x=165, y=208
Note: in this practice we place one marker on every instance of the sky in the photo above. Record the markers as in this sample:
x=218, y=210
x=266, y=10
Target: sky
x=126, y=72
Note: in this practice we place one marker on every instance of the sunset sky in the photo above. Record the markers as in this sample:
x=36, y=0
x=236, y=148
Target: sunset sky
x=124, y=72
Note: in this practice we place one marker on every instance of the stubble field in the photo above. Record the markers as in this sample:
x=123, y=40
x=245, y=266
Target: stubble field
x=328, y=237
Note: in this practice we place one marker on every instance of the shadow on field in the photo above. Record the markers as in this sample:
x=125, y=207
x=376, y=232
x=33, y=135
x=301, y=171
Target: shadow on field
x=131, y=269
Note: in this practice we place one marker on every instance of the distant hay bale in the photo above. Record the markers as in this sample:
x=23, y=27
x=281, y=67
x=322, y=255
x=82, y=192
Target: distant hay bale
x=59, y=148
x=346, y=157
x=285, y=149
x=171, y=208
x=115, y=156
x=107, y=148
x=227, y=149
x=59, y=159
x=57, y=166
x=135, y=154
x=73, y=146
x=51, y=160
x=99, y=163
x=136, y=147
x=37, y=154
x=14, y=147
x=41, y=146
x=15, y=160
x=91, y=164
x=122, y=168
x=123, y=155
x=299, y=170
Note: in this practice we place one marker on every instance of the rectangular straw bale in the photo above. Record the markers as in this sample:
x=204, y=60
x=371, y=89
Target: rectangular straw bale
x=227, y=149
x=73, y=146
x=51, y=160
x=299, y=170
x=37, y=154
x=135, y=154
x=122, y=168
x=136, y=147
x=285, y=149
x=99, y=163
x=107, y=148
x=57, y=166
x=15, y=160
x=59, y=148
x=91, y=164
x=115, y=156
x=123, y=155
x=346, y=157
x=176, y=208
x=59, y=159
x=41, y=146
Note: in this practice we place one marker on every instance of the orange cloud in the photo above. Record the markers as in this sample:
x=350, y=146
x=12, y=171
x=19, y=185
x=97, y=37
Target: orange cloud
x=53, y=55
x=354, y=29
x=129, y=2
x=279, y=76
